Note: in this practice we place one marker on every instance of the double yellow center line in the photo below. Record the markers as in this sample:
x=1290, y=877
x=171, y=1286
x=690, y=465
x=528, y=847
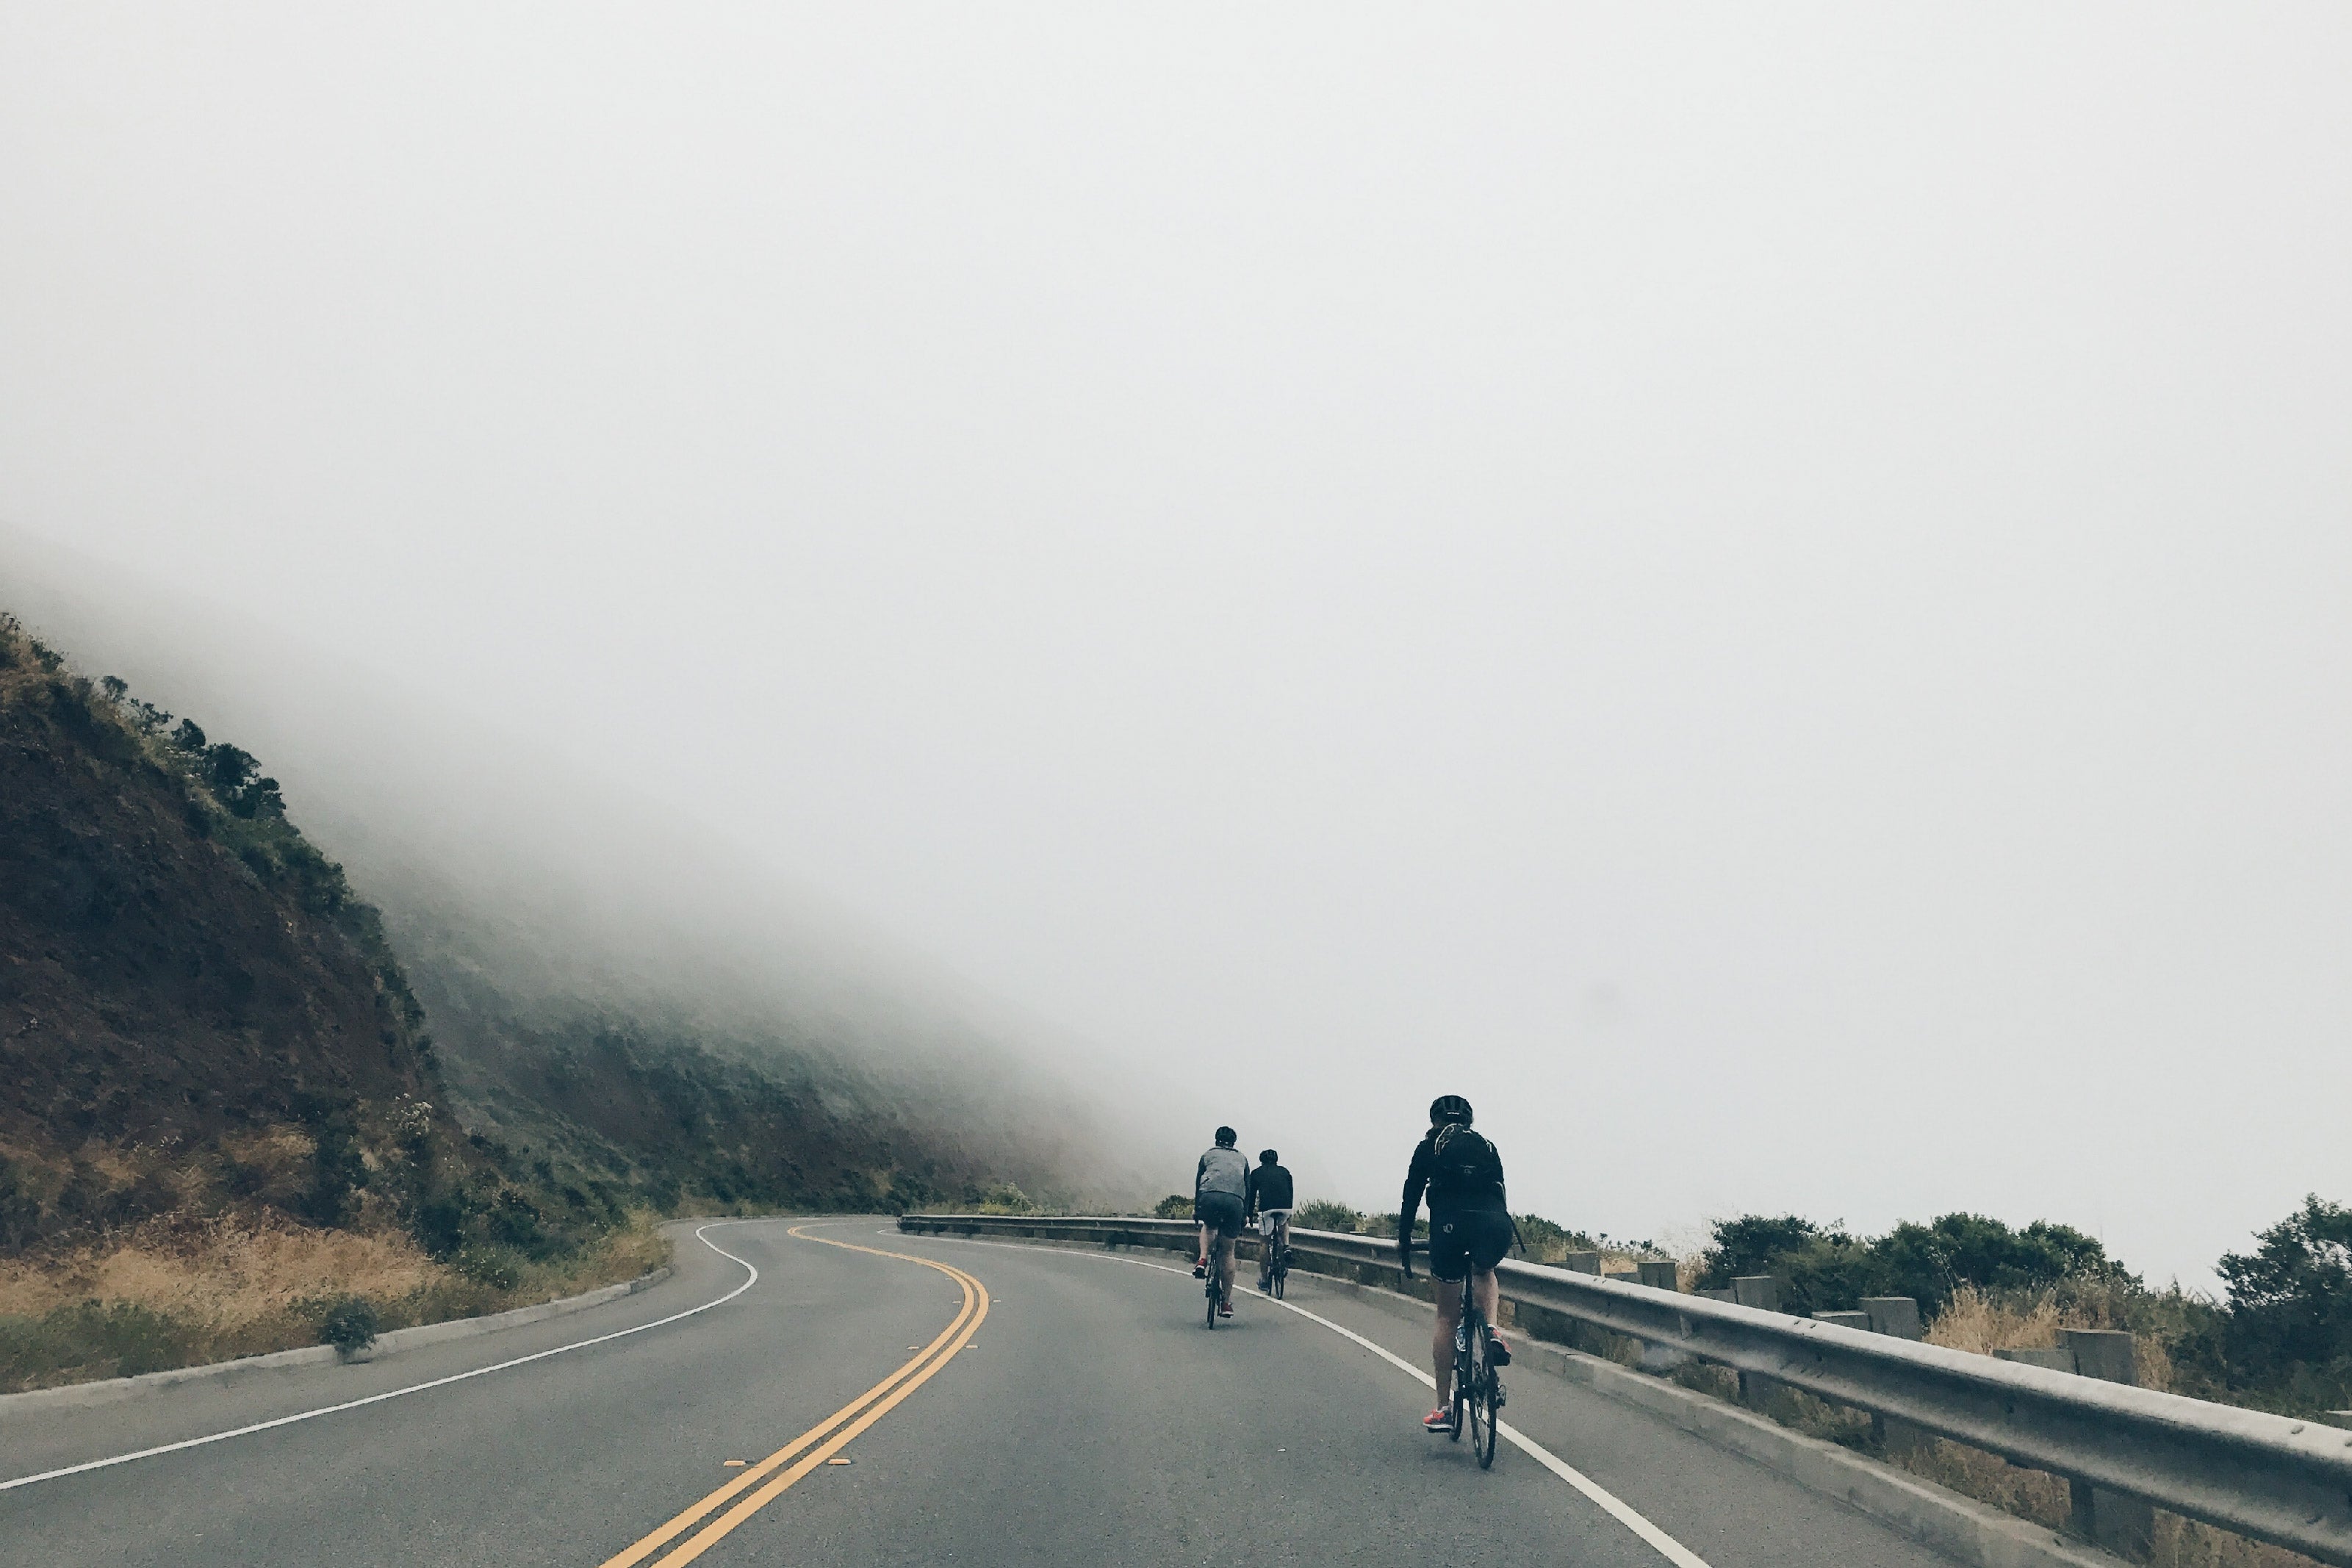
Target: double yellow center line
x=775, y=1475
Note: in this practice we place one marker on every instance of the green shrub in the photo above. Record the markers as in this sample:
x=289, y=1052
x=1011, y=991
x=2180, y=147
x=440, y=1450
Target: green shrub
x=1325, y=1215
x=349, y=1325
x=1548, y=1242
x=1006, y=1198
x=1824, y=1269
x=2290, y=1314
x=495, y=1267
x=1175, y=1205
x=1751, y=1245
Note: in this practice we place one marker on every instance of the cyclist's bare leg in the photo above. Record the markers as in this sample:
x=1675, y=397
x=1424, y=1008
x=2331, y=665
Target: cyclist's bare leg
x=1487, y=1293
x=1441, y=1341
x=1201, y=1253
x=1224, y=1267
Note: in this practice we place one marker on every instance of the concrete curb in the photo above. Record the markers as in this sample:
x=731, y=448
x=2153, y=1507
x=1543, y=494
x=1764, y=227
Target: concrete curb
x=115, y=1390
x=1959, y=1527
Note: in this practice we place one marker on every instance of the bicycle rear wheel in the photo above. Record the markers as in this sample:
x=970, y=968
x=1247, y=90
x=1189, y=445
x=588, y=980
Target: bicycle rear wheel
x=1485, y=1414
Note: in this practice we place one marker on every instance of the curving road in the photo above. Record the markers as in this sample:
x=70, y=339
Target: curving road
x=995, y=1404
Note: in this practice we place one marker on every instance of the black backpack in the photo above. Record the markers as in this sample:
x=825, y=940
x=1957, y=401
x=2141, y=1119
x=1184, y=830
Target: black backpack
x=1464, y=1171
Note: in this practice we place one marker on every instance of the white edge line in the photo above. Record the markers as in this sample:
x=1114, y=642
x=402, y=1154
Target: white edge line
x=413, y=1387
x=1623, y=1512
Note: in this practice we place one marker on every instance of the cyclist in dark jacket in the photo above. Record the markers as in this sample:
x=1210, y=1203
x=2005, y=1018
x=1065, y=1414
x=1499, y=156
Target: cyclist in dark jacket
x=1270, y=1205
x=1469, y=1230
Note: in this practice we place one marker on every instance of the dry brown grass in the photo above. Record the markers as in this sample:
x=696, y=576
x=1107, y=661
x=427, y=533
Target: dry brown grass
x=1976, y=1322
x=224, y=1269
x=211, y=1289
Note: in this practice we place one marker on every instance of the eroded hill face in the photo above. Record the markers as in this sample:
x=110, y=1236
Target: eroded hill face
x=194, y=1011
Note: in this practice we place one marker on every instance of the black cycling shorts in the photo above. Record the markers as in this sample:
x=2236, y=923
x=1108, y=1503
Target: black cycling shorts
x=1471, y=1239
x=1221, y=1212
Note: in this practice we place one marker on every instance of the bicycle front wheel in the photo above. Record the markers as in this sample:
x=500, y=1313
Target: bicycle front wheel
x=1485, y=1411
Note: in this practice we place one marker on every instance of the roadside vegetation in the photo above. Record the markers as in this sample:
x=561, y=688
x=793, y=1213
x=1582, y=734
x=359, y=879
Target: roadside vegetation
x=2278, y=1338
x=181, y=1292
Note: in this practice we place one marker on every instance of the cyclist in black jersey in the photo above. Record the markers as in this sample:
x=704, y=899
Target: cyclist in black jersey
x=1269, y=1208
x=1469, y=1229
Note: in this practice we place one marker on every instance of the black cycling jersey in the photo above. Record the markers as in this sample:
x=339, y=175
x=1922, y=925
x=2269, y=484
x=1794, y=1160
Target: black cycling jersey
x=1460, y=1170
x=1269, y=1188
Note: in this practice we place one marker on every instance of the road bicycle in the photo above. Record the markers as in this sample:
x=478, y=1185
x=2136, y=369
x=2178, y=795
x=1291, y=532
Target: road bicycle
x=1477, y=1377
x=1477, y=1382
x=1274, y=1266
x=1212, y=1288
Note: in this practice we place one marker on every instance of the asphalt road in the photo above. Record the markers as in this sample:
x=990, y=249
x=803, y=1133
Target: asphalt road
x=1086, y=1418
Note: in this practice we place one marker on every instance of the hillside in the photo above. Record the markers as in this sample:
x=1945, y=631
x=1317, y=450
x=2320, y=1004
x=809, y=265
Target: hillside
x=595, y=1081
x=225, y=1120
x=194, y=1011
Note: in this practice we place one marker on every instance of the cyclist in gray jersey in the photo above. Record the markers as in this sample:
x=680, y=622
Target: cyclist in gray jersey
x=1220, y=1190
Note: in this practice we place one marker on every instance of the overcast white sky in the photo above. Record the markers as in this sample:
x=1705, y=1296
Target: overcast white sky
x=1762, y=592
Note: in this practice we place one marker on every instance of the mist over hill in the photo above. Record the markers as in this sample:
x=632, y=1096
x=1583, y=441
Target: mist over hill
x=615, y=1001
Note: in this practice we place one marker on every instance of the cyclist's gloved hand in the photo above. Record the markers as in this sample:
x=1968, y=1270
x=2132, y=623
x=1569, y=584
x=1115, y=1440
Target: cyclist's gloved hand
x=1405, y=1257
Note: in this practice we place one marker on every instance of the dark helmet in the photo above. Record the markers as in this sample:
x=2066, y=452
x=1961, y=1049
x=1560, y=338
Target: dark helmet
x=1267, y=1157
x=1448, y=1107
x=1227, y=1137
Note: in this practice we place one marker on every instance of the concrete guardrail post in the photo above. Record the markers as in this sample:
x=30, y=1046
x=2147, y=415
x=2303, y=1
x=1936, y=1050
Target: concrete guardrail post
x=2122, y=1523
x=1657, y=1274
x=1897, y=1316
x=1581, y=1263
x=1761, y=1291
x=1846, y=1320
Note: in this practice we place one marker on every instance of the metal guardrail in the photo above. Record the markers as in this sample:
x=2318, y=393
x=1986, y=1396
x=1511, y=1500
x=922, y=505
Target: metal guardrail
x=2273, y=1478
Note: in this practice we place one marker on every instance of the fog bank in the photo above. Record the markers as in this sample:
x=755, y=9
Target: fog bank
x=1762, y=592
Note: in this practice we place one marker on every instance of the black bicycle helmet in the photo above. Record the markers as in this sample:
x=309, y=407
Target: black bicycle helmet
x=1448, y=1107
x=1227, y=1137
x=1268, y=1157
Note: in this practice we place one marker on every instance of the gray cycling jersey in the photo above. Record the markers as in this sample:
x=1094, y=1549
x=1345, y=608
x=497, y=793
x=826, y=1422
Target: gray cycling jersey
x=1223, y=1171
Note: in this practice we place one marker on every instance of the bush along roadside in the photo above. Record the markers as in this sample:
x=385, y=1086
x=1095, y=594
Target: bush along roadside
x=2278, y=1338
